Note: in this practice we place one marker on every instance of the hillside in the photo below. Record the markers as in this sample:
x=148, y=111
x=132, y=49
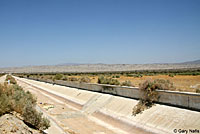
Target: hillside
x=192, y=62
x=97, y=67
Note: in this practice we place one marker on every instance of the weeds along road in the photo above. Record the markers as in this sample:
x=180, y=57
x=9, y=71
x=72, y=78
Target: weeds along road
x=83, y=112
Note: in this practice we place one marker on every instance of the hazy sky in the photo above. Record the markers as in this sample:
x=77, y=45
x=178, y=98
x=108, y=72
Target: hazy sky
x=43, y=32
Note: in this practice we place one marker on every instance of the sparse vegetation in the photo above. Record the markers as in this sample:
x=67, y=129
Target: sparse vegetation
x=1, y=74
x=171, y=75
x=58, y=77
x=14, y=98
x=103, y=80
x=149, y=94
x=137, y=75
x=183, y=79
x=72, y=79
x=198, y=90
x=127, y=83
x=65, y=78
x=12, y=80
x=116, y=76
x=85, y=79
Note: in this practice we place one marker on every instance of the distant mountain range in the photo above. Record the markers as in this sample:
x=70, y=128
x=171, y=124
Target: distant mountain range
x=72, y=64
x=192, y=62
x=65, y=64
x=100, y=67
x=187, y=62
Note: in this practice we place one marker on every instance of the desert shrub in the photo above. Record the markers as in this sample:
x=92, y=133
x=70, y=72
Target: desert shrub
x=150, y=74
x=148, y=91
x=12, y=80
x=73, y=79
x=14, y=98
x=113, y=82
x=5, y=103
x=34, y=118
x=58, y=77
x=171, y=75
x=130, y=75
x=163, y=84
x=139, y=108
x=198, y=90
x=149, y=94
x=138, y=75
x=21, y=76
x=85, y=79
x=127, y=83
x=103, y=80
x=149, y=87
x=134, y=75
x=65, y=78
x=116, y=76
x=1, y=74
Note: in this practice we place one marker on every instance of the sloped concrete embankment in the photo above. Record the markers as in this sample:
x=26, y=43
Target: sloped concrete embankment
x=185, y=100
x=118, y=110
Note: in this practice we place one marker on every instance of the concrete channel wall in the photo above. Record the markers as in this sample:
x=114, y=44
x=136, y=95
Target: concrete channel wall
x=174, y=98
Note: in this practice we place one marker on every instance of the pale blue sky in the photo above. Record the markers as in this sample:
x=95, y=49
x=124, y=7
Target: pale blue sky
x=46, y=32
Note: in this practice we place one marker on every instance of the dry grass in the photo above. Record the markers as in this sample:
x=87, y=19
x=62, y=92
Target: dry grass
x=14, y=98
x=149, y=94
x=181, y=82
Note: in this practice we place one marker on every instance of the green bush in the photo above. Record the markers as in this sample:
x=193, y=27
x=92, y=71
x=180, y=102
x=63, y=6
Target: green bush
x=116, y=76
x=103, y=80
x=73, y=79
x=150, y=74
x=198, y=90
x=171, y=75
x=139, y=108
x=14, y=98
x=12, y=80
x=65, y=78
x=114, y=82
x=127, y=83
x=5, y=103
x=85, y=79
x=162, y=84
x=34, y=118
x=58, y=77
x=134, y=75
x=149, y=87
x=149, y=94
x=138, y=75
x=130, y=75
